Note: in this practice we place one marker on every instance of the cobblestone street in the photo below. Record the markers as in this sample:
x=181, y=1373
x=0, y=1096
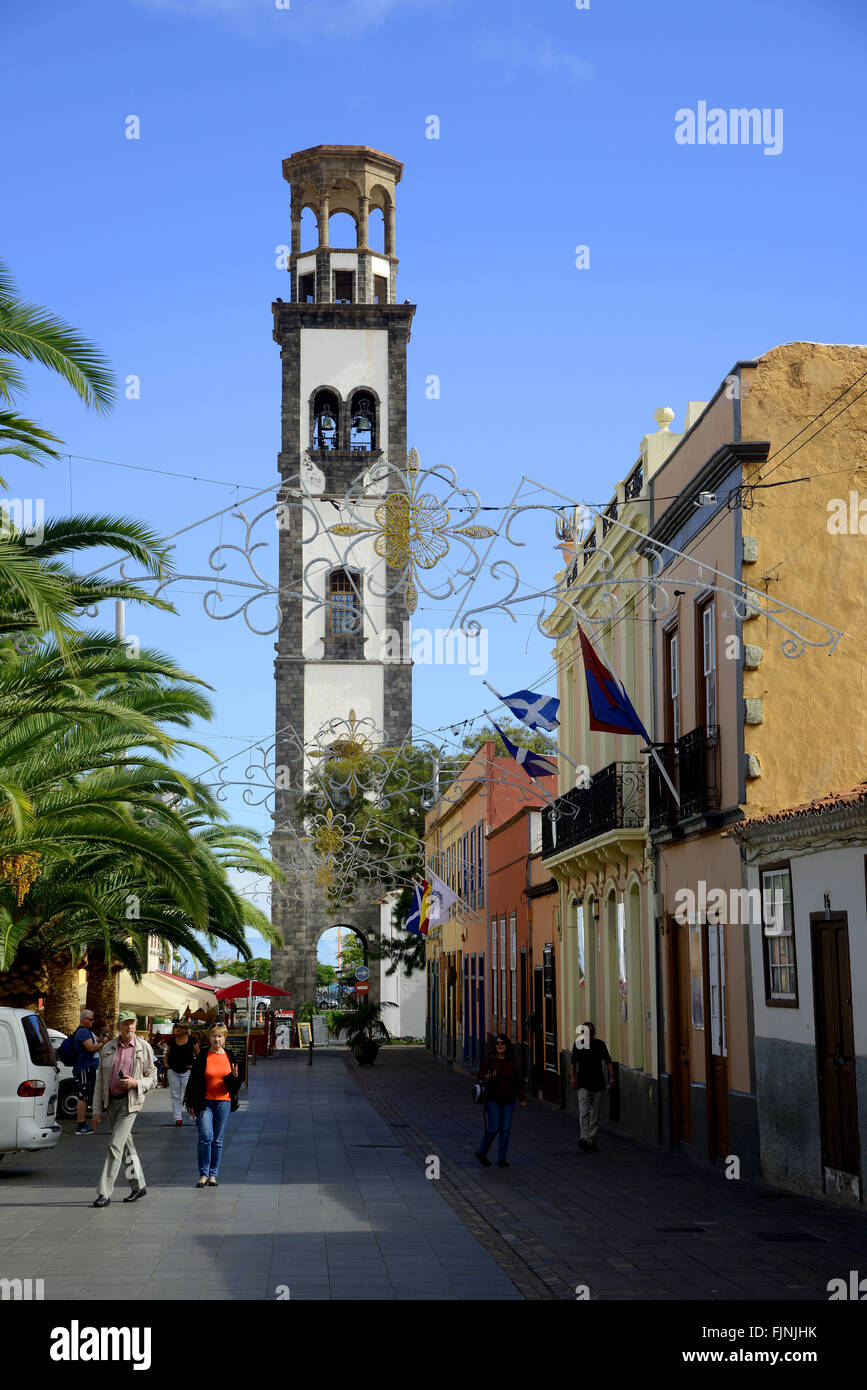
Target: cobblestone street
x=323, y=1195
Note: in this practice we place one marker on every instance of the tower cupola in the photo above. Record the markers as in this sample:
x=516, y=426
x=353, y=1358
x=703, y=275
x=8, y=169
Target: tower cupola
x=344, y=179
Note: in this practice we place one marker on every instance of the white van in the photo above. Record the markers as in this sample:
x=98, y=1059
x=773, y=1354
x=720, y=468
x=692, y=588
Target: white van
x=28, y=1082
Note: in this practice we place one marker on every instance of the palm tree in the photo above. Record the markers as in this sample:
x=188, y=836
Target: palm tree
x=40, y=593
x=364, y=1027
x=30, y=333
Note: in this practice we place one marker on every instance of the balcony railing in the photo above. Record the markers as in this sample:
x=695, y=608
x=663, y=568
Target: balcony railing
x=613, y=801
x=634, y=484
x=693, y=766
x=609, y=516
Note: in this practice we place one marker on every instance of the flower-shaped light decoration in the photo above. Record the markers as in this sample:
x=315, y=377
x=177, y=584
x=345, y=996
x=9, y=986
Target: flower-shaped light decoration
x=348, y=750
x=413, y=530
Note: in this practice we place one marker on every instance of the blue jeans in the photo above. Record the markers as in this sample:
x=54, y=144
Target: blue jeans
x=212, y=1122
x=498, y=1120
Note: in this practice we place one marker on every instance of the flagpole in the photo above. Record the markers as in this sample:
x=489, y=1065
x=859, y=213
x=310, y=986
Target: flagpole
x=542, y=790
x=668, y=782
x=579, y=767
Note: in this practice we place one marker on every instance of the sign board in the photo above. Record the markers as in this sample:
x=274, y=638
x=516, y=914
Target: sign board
x=362, y=972
x=304, y=1034
x=283, y=1034
x=236, y=1046
x=320, y=1030
x=362, y=988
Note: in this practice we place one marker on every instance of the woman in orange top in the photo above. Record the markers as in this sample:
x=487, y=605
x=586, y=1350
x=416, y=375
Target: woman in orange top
x=213, y=1083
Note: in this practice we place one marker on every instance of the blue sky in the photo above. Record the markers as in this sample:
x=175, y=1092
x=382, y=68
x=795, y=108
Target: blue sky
x=556, y=129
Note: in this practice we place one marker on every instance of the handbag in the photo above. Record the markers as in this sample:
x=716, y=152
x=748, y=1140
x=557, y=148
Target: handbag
x=478, y=1093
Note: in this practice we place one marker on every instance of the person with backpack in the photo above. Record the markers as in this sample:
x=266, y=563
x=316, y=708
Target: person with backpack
x=81, y=1052
x=504, y=1086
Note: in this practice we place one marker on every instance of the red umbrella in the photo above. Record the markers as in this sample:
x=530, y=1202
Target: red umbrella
x=245, y=988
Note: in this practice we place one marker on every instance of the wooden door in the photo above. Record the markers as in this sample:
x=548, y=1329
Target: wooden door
x=680, y=1032
x=835, y=1042
x=538, y=1048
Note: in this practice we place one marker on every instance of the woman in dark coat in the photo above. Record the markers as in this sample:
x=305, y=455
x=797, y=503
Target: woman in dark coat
x=211, y=1093
x=504, y=1086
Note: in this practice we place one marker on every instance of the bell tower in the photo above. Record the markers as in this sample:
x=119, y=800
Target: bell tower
x=343, y=342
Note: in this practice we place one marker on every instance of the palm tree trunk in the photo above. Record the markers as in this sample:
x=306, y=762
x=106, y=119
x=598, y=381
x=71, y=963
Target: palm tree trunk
x=102, y=991
x=62, y=1007
x=27, y=981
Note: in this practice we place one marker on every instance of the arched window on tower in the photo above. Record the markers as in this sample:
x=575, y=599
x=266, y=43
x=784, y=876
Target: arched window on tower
x=362, y=422
x=344, y=603
x=325, y=420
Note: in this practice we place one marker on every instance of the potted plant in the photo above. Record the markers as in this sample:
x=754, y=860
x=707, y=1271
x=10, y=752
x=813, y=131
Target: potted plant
x=362, y=1024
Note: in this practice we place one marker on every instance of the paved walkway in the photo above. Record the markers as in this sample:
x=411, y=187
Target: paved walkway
x=323, y=1194
x=316, y=1198
x=629, y=1222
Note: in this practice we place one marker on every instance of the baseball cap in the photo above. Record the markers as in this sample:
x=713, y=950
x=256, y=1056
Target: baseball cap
x=126, y=1017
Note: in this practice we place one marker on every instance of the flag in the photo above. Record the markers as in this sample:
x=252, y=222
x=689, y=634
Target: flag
x=419, y=913
x=532, y=763
x=611, y=710
x=442, y=897
x=534, y=710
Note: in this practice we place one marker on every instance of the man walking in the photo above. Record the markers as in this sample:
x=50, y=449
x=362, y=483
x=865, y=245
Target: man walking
x=126, y=1073
x=84, y=1067
x=589, y=1059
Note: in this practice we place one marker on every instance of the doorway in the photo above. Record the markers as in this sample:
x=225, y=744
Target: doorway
x=835, y=1044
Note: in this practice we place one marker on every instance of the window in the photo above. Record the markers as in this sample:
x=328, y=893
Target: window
x=480, y=872
x=503, y=997
x=494, y=976
x=706, y=664
x=344, y=286
x=473, y=868
x=781, y=982
x=673, y=688
x=380, y=289
x=513, y=961
x=465, y=871
x=621, y=950
x=306, y=288
x=344, y=608
x=362, y=423
x=579, y=921
x=38, y=1041
x=696, y=984
x=325, y=418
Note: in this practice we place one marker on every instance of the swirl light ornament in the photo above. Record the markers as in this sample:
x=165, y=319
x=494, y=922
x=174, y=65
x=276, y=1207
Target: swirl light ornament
x=413, y=530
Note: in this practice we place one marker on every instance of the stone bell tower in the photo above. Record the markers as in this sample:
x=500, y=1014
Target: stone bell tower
x=343, y=341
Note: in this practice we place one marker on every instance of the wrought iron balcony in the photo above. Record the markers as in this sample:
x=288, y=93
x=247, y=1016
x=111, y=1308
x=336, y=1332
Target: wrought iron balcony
x=634, y=484
x=693, y=766
x=609, y=516
x=613, y=801
x=699, y=774
x=589, y=547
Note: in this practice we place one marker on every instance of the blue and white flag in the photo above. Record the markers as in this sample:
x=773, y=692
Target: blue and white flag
x=441, y=898
x=535, y=710
x=532, y=763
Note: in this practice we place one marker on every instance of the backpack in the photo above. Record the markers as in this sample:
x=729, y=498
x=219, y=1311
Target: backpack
x=68, y=1051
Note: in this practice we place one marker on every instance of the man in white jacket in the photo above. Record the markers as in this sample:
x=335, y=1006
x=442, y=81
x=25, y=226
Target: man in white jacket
x=127, y=1071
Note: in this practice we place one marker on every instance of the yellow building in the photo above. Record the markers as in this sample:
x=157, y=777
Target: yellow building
x=759, y=698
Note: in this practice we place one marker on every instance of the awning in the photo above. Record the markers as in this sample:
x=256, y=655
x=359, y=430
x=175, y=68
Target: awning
x=156, y=996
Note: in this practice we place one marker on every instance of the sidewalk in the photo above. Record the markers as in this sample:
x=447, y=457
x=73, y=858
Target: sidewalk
x=316, y=1197
x=630, y=1222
